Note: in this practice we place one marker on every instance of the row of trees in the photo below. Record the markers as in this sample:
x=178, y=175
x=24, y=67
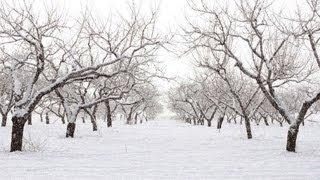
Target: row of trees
x=52, y=64
x=253, y=63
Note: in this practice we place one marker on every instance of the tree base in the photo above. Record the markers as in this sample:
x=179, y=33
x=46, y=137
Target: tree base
x=70, y=130
x=17, y=133
x=292, y=138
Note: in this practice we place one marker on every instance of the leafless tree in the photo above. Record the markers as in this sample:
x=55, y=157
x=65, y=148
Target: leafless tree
x=265, y=53
x=53, y=60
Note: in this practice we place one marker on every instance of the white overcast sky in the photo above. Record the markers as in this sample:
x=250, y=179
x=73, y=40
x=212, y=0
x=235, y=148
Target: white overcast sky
x=172, y=15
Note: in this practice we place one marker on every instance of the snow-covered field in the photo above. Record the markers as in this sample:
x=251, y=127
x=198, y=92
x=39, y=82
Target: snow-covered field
x=161, y=149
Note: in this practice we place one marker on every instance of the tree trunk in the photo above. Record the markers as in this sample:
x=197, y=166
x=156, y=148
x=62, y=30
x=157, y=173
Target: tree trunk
x=265, y=119
x=248, y=127
x=4, y=120
x=209, y=123
x=94, y=118
x=47, y=119
x=63, y=120
x=292, y=138
x=94, y=124
x=281, y=124
x=129, y=118
x=17, y=132
x=70, y=130
x=109, y=117
x=41, y=117
x=29, y=119
x=136, y=118
x=220, y=120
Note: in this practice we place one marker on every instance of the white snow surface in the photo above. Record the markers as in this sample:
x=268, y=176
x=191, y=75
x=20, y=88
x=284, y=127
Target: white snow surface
x=161, y=149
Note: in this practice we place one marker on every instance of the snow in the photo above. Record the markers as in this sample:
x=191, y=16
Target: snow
x=162, y=149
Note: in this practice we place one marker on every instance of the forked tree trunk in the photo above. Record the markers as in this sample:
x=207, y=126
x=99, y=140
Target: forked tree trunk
x=4, y=120
x=292, y=138
x=17, y=132
x=70, y=130
x=109, y=117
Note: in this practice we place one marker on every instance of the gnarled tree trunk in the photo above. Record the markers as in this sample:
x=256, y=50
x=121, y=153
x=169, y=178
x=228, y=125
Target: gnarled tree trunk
x=292, y=137
x=70, y=130
x=17, y=132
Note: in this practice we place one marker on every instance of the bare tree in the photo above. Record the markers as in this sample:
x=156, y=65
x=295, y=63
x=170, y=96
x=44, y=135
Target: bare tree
x=268, y=56
x=52, y=60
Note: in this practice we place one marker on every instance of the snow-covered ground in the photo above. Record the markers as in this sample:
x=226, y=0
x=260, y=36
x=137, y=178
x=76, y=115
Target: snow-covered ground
x=161, y=149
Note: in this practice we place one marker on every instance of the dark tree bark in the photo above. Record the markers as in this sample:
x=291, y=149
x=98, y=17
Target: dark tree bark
x=280, y=123
x=94, y=126
x=265, y=119
x=209, y=123
x=4, y=120
x=47, y=119
x=109, y=115
x=17, y=132
x=70, y=130
x=248, y=127
x=194, y=121
x=129, y=118
x=94, y=118
x=29, y=119
x=292, y=138
x=41, y=117
x=220, y=120
x=136, y=118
